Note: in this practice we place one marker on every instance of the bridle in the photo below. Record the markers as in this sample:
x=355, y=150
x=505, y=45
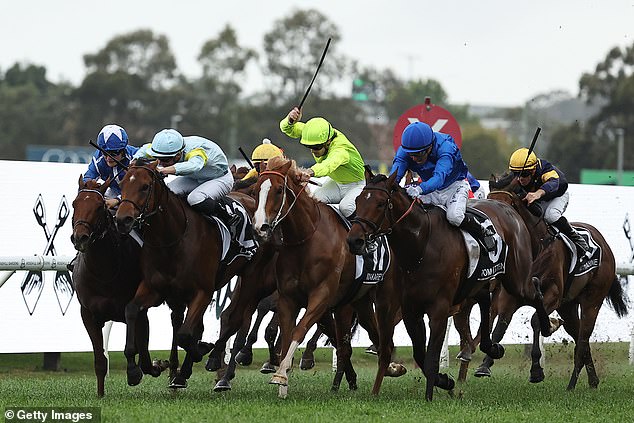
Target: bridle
x=388, y=215
x=100, y=227
x=280, y=216
x=144, y=214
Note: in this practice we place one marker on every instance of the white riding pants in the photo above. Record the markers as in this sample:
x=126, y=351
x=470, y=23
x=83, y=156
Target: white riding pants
x=345, y=195
x=555, y=208
x=454, y=198
x=197, y=192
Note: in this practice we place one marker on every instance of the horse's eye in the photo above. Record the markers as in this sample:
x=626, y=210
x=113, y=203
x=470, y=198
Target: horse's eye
x=279, y=190
x=145, y=187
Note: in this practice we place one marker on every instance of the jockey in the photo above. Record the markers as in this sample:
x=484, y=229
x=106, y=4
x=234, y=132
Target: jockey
x=435, y=157
x=261, y=155
x=546, y=187
x=476, y=190
x=114, y=140
x=335, y=157
x=200, y=166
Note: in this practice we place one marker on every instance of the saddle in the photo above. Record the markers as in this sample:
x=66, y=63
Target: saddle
x=578, y=266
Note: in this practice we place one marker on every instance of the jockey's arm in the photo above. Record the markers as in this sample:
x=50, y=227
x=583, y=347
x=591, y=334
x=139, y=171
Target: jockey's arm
x=443, y=168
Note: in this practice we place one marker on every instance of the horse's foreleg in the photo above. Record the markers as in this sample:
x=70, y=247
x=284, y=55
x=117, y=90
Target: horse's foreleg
x=343, y=324
x=142, y=340
x=96, y=338
x=287, y=311
x=437, y=328
x=223, y=383
x=467, y=345
x=387, y=309
x=271, y=338
x=537, y=371
x=307, y=361
x=244, y=356
x=177, y=315
x=187, y=336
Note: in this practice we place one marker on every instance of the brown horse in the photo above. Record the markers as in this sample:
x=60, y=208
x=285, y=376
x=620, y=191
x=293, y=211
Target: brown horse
x=180, y=258
x=106, y=277
x=314, y=269
x=434, y=257
x=577, y=299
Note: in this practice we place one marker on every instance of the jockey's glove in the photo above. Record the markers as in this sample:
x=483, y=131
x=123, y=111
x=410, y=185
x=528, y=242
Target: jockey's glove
x=414, y=191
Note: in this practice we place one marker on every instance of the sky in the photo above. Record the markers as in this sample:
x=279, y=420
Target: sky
x=487, y=52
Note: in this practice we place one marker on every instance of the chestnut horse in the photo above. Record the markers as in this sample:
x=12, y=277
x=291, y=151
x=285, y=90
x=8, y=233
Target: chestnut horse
x=180, y=258
x=314, y=268
x=434, y=257
x=577, y=299
x=106, y=277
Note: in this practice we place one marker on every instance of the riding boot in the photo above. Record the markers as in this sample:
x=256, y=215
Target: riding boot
x=211, y=207
x=582, y=246
x=485, y=236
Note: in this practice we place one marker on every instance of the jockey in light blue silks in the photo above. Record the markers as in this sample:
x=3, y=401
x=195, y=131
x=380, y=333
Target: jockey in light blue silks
x=201, y=168
x=114, y=140
x=435, y=157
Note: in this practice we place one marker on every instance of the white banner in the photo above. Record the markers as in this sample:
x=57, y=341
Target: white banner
x=47, y=330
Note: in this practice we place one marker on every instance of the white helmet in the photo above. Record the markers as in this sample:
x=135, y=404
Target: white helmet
x=167, y=143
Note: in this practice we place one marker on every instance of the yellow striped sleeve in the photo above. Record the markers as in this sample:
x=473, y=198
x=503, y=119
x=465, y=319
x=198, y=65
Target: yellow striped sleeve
x=550, y=175
x=197, y=152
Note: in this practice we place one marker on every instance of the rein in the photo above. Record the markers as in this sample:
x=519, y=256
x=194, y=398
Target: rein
x=144, y=215
x=376, y=227
x=279, y=217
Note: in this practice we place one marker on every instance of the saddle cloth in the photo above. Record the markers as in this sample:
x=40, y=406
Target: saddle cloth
x=484, y=265
x=244, y=235
x=370, y=267
x=576, y=267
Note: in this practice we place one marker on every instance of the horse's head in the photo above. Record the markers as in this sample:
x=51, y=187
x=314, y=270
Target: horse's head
x=238, y=172
x=276, y=191
x=375, y=210
x=139, y=198
x=89, y=213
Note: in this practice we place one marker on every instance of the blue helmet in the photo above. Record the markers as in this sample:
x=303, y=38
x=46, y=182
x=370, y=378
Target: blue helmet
x=417, y=137
x=112, y=138
x=167, y=143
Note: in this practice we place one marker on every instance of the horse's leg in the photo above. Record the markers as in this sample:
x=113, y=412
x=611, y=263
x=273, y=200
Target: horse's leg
x=487, y=346
x=388, y=306
x=143, y=299
x=142, y=339
x=343, y=324
x=307, y=361
x=467, y=345
x=270, y=336
x=185, y=372
x=223, y=383
x=177, y=315
x=94, y=330
x=413, y=320
x=583, y=355
x=287, y=311
x=437, y=328
x=537, y=371
x=245, y=355
x=188, y=334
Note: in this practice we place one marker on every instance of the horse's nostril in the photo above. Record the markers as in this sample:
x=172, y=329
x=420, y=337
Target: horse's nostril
x=264, y=227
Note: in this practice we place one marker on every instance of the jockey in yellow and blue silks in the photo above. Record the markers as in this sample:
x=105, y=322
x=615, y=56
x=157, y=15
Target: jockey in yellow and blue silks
x=200, y=165
x=547, y=187
x=114, y=140
x=260, y=156
x=435, y=157
x=335, y=156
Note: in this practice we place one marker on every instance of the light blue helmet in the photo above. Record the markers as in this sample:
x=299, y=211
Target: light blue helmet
x=167, y=143
x=112, y=138
x=416, y=137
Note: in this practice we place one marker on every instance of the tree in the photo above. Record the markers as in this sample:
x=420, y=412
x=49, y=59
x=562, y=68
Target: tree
x=485, y=151
x=293, y=48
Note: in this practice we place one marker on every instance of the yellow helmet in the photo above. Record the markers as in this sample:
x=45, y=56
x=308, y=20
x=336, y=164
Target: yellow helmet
x=521, y=160
x=265, y=151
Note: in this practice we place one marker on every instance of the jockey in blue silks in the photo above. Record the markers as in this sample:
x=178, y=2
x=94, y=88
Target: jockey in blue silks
x=435, y=157
x=114, y=140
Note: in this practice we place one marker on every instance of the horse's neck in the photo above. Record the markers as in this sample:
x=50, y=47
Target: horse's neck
x=169, y=222
x=302, y=219
x=536, y=227
x=413, y=232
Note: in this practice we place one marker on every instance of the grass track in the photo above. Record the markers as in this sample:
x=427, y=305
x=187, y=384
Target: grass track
x=506, y=397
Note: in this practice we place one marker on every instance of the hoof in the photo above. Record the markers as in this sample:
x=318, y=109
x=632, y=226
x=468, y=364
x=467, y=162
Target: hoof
x=445, y=382
x=372, y=350
x=464, y=356
x=306, y=363
x=213, y=364
x=278, y=379
x=178, y=382
x=244, y=359
x=395, y=370
x=353, y=386
x=537, y=376
x=482, y=371
x=267, y=368
x=204, y=348
x=222, y=385
x=134, y=376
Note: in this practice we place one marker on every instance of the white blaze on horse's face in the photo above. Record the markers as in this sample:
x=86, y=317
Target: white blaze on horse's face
x=368, y=195
x=260, y=214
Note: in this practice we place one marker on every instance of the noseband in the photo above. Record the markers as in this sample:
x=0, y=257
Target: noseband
x=144, y=215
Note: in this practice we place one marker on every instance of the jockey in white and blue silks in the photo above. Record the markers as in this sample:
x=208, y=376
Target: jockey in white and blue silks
x=114, y=140
x=200, y=165
x=435, y=157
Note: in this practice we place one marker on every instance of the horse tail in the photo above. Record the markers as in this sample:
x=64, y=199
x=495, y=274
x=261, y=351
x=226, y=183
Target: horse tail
x=617, y=298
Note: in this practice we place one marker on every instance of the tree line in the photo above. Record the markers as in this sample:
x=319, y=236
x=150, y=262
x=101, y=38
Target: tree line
x=134, y=81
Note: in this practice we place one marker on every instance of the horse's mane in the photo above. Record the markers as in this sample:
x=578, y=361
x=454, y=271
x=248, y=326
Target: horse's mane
x=502, y=182
x=378, y=178
x=241, y=184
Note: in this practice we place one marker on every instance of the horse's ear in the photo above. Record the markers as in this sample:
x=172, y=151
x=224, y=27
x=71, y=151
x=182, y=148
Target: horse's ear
x=154, y=164
x=233, y=169
x=81, y=182
x=103, y=187
x=369, y=175
x=286, y=167
x=391, y=181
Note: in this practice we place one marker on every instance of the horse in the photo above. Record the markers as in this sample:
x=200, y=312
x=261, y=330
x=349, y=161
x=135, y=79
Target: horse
x=106, y=277
x=577, y=299
x=434, y=259
x=314, y=268
x=180, y=258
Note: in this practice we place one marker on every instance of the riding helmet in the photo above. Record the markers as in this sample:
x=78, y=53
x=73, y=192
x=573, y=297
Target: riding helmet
x=167, y=143
x=265, y=151
x=112, y=138
x=316, y=131
x=521, y=160
x=416, y=137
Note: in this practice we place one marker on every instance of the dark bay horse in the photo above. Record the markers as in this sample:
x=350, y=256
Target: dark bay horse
x=577, y=299
x=434, y=259
x=106, y=277
x=314, y=269
x=180, y=258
